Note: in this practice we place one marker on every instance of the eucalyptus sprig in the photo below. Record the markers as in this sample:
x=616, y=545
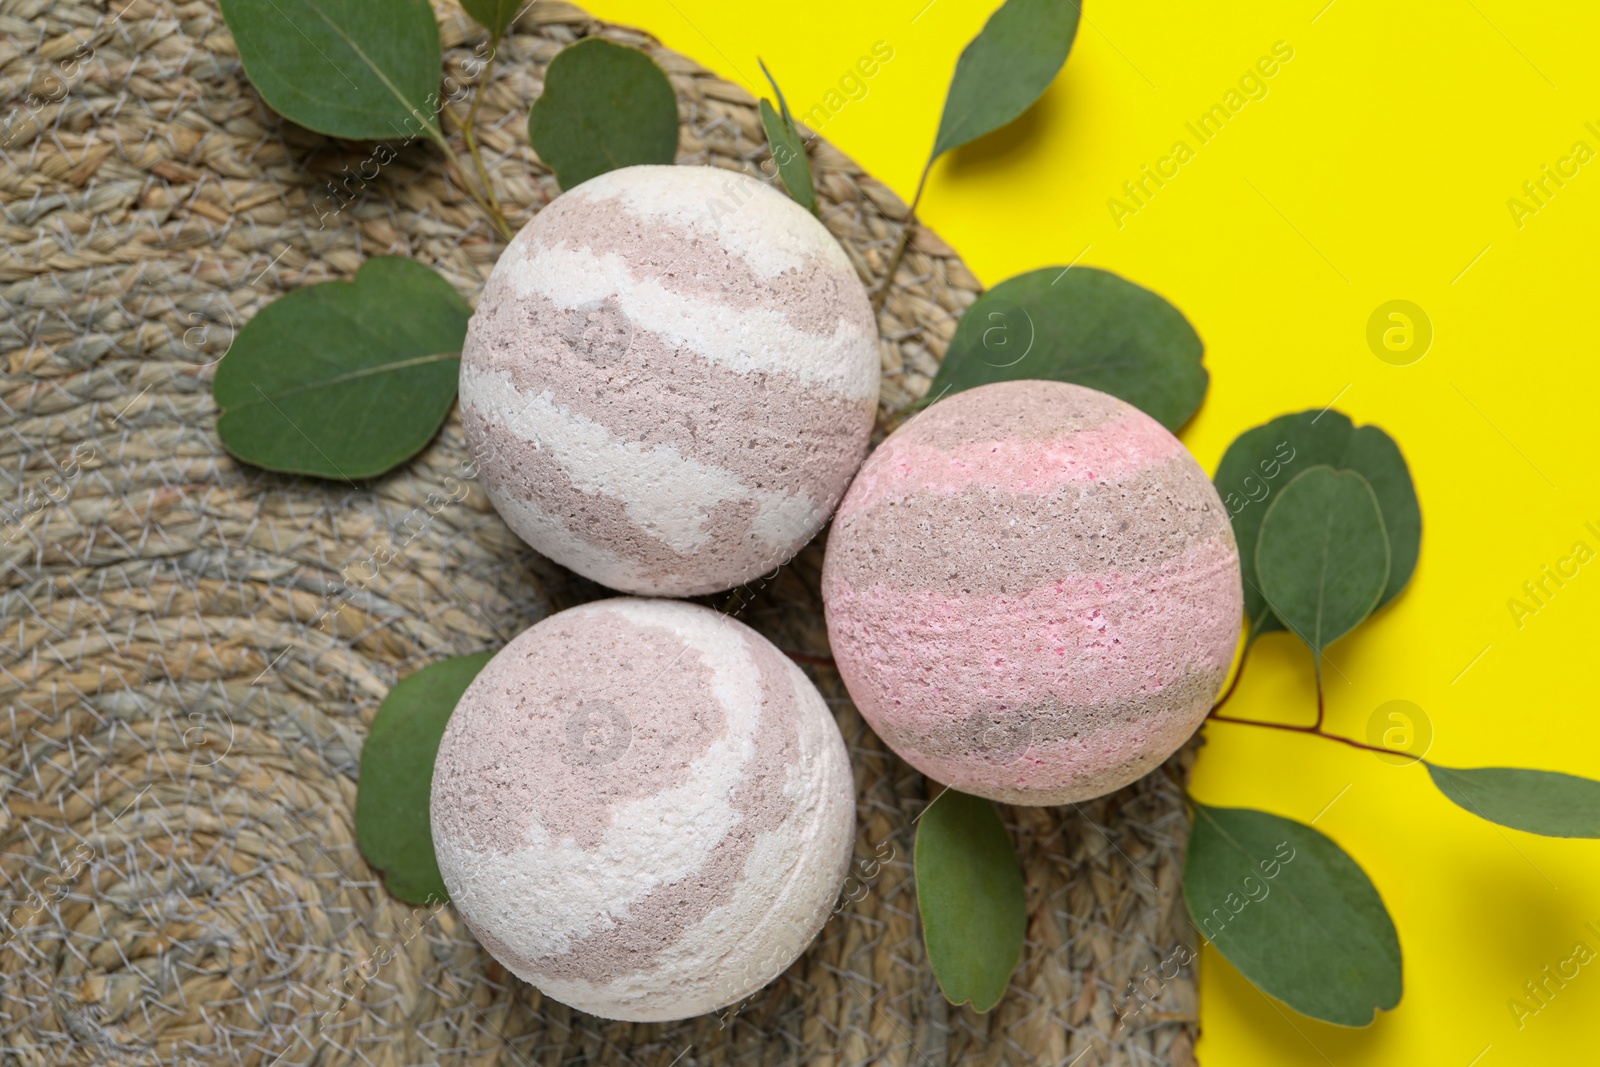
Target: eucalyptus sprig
x=496, y=16
x=1326, y=518
x=364, y=70
x=999, y=75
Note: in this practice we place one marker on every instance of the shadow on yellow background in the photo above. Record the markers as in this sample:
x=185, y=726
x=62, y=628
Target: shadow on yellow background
x=1384, y=160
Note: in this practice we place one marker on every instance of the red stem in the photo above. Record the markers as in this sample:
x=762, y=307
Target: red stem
x=881, y=293
x=1233, y=684
x=1314, y=731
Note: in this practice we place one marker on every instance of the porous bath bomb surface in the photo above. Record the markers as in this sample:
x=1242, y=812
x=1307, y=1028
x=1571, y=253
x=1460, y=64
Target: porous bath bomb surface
x=643, y=808
x=1032, y=592
x=669, y=379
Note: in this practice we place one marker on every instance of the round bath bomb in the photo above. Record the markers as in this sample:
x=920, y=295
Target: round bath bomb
x=643, y=808
x=669, y=379
x=1032, y=592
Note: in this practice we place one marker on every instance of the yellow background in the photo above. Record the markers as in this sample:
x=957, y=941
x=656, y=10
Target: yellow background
x=1377, y=167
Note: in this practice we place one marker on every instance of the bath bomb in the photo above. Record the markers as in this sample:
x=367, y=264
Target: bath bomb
x=1032, y=592
x=669, y=379
x=643, y=808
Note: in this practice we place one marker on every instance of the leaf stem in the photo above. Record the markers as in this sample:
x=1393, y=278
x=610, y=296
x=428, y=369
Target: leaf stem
x=1314, y=731
x=1319, y=692
x=1244, y=657
x=437, y=137
x=469, y=127
x=882, y=292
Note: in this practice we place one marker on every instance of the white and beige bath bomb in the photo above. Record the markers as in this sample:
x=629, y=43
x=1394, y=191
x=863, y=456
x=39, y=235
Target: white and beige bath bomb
x=1032, y=592
x=669, y=379
x=643, y=808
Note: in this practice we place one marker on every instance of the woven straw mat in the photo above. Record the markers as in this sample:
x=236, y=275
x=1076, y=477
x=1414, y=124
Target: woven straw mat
x=181, y=737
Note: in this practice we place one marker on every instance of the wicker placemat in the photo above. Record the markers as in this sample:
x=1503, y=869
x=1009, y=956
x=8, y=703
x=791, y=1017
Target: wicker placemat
x=184, y=711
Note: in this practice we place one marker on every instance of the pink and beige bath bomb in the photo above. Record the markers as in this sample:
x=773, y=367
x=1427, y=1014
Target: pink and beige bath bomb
x=643, y=808
x=669, y=380
x=1032, y=592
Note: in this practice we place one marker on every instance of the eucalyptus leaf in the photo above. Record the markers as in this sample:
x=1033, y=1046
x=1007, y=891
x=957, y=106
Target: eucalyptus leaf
x=344, y=379
x=1264, y=459
x=1085, y=326
x=495, y=16
x=361, y=69
x=788, y=148
x=1004, y=69
x=1538, y=802
x=605, y=106
x=1293, y=912
x=1322, y=555
x=970, y=895
x=392, y=796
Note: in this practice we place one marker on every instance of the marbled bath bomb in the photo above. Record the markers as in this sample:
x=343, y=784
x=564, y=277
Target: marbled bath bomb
x=669, y=380
x=643, y=808
x=1032, y=592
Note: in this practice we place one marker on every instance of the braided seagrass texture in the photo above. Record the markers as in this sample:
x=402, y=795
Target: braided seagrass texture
x=191, y=650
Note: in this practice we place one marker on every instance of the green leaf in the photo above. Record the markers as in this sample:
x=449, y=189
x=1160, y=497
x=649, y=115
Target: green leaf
x=362, y=69
x=1293, y=912
x=493, y=15
x=1263, y=460
x=1084, y=326
x=969, y=891
x=392, y=827
x=1004, y=69
x=1538, y=802
x=604, y=106
x=1322, y=555
x=788, y=147
x=345, y=379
